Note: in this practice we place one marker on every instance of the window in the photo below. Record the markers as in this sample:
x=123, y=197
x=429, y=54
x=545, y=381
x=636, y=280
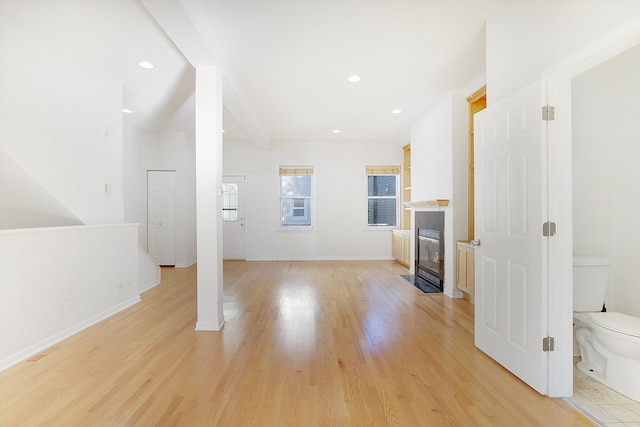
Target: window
x=382, y=196
x=296, y=196
x=230, y=201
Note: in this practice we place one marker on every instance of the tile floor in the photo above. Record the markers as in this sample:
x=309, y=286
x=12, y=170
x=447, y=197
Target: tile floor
x=604, y=405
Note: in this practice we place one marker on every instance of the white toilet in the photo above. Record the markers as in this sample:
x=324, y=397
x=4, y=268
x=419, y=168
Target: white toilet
x=609, y=342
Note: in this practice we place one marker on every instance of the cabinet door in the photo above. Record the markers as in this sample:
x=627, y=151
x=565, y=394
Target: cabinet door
x=461, y=262
x=470, y=270
x=400, y=247
x=395, y=249
x=406, y=248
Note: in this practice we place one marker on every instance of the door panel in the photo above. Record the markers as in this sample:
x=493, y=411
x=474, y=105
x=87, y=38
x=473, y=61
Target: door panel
x=518, y=316
x=489, y=295
x=490, y=207
x=510, y=209
x=518, y=196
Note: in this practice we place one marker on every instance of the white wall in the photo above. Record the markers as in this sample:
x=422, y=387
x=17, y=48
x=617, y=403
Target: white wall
x=439, y=160
x=145, y=151
x=148, y=271
x=432, y=153
x=341, y=209
x=525, y=38
x=25, y=203
x=61, y=121
x=605, y=172
x=43, y=301
x=432, y=174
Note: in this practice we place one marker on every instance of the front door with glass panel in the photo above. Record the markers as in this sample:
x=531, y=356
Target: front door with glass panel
x=233, y=217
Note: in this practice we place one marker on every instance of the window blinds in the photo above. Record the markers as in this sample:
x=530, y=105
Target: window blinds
x=303, y=170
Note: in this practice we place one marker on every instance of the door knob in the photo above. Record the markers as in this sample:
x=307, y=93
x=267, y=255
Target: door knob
x=475, y=242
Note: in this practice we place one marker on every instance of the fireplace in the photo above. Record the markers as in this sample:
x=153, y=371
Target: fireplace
x=429, y=260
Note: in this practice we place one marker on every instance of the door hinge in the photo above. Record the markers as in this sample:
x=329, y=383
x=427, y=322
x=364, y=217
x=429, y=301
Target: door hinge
x=548, y=344
x=549, y=229
x=548, y=112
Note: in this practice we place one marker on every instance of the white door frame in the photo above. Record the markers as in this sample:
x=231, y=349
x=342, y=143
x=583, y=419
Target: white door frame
x=560, y=195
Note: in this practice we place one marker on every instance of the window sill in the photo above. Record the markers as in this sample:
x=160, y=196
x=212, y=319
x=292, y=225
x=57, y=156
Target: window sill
x=382, y=228
x=295, y=228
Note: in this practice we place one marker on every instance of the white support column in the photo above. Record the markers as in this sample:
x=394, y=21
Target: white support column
x=208, y=197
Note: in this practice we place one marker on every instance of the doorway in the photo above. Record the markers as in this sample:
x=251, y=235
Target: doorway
x=477, y=102
x=604, y=110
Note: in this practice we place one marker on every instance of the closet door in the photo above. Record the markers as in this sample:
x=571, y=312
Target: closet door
x=161, y=208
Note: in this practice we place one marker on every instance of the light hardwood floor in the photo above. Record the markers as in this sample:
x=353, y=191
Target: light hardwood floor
x=304, y=344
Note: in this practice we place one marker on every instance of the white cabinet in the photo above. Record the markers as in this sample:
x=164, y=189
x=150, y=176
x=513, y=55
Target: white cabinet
x=401, y=246
x=465, y=269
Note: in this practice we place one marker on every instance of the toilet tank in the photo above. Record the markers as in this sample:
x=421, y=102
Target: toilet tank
x=590, y=280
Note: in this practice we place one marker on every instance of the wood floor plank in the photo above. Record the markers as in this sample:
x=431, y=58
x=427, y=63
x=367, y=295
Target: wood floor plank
x=306, y=343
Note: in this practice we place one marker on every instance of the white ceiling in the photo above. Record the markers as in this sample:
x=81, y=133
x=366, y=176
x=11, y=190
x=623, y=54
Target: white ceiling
x=288, y=61
x=291, y=61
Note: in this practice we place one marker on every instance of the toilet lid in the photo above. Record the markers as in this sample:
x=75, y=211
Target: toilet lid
x=617, y=322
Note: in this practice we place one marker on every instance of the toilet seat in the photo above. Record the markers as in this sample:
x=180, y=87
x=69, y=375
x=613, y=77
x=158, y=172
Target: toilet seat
x=617, y=322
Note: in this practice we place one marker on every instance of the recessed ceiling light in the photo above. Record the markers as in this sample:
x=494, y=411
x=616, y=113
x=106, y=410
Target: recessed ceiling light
x=396, y=111
x=146, y=64
x=336, y=131
x=127, y=111
x=354, y=78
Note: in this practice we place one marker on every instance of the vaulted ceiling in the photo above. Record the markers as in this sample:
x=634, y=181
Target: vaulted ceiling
x=291, y=60
x=286, y=63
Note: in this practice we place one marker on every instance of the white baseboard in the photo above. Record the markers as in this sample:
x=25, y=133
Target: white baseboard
x=328, y=258
x=209, y=326
x=12, y=359
x=456, y=293
x=186, y=264
x=149, y=285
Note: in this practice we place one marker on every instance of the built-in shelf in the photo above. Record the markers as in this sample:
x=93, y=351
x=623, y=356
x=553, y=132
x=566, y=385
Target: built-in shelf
x=428, y=203
x=406, y=179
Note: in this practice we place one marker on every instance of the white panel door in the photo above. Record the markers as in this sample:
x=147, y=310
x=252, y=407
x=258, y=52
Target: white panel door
x=233, y=217
x=161, y=216
x=510, y=199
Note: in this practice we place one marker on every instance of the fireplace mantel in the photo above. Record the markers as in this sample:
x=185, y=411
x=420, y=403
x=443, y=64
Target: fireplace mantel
x=436, y=203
